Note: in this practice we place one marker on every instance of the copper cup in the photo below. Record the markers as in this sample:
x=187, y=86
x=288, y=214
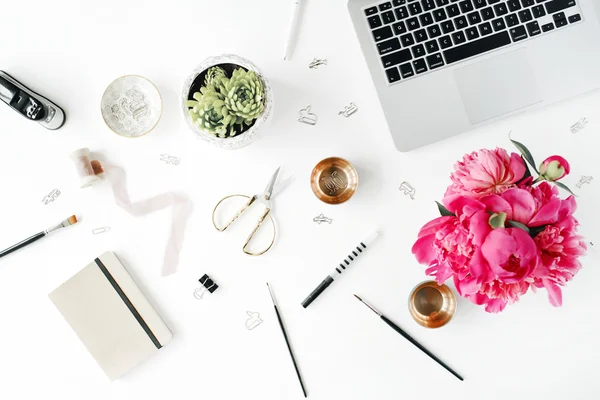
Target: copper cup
x=432, y=305
x=334, y=180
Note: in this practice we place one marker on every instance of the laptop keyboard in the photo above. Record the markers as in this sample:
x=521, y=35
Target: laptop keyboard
x=414, y=37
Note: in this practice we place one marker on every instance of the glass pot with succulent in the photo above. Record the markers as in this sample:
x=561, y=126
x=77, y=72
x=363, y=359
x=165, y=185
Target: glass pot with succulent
x=227, y=102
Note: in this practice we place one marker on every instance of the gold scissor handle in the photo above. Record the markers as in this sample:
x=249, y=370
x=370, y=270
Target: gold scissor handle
x=256, y=228
x=261, y=220
x=236, y=216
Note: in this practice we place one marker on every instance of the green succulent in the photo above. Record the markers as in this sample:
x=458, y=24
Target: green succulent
x=223, y=104
x=213, y=75
x=209, y=112
x=244, y=95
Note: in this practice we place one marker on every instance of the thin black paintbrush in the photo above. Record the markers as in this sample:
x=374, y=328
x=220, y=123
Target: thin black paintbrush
x=67, y=222
x=287, y=340
x=409, y=338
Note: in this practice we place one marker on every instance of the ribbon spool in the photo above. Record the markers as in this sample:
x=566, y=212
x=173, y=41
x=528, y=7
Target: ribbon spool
x=89, y=172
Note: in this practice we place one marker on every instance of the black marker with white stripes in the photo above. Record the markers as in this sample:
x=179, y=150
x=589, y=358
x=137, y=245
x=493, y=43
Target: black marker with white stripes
x=356, y=252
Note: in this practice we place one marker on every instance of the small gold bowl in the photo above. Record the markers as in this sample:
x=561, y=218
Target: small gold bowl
x=432, y=305
x=131, y=106
x=334, y=180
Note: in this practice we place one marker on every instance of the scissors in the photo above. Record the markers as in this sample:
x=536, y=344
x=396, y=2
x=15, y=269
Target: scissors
x=265, y=199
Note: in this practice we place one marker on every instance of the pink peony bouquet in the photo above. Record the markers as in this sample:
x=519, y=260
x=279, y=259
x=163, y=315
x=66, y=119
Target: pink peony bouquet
x=502, y=232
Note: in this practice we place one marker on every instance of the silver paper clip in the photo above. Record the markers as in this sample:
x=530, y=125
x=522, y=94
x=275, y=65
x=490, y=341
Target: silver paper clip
x=579, y=125
x=408, y=189
x=348, y=110
x=50, y=197
x=170, y=159
x=317, y=62
x=98, y=231
x=253, y=321
x=584, y=180
x=322, y=218
x=306, y=117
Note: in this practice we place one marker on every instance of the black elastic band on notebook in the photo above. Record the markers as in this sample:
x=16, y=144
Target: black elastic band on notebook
x=128, y=303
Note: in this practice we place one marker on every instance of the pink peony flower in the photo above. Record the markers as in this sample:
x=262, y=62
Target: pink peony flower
x=488, y=266
x=503, y=238
x=511, y=254
x=554, y=168
x=522, y=206
x=503, y=262
x=560, y=248
x=501, y=267
x=486, y=172
x=446, y=244
x=497, y=295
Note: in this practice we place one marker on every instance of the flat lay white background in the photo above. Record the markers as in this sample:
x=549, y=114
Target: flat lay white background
x=70, y=51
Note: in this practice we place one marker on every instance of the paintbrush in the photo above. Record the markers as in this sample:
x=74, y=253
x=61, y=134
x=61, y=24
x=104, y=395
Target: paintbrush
x=287, y=341
x=67, y=222
x=409, y=338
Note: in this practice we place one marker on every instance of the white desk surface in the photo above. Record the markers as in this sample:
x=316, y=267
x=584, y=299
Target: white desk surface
x=70, y=51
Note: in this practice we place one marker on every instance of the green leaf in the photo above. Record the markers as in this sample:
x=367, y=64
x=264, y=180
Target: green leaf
x=526, y=154
x=515, y=224
x=535, y=230
x=497, y=220
x=563, y=186
x=444, y=211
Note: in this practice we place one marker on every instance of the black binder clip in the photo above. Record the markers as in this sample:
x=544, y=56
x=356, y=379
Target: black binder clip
x=208, y=285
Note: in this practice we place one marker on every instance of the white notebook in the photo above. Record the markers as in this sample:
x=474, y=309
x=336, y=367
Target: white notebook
x=111, y=315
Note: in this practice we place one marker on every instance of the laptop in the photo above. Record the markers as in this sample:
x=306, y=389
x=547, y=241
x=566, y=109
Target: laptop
x=442, y=67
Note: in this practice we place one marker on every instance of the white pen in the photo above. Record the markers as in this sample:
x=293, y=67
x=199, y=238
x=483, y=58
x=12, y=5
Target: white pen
x=293, y=28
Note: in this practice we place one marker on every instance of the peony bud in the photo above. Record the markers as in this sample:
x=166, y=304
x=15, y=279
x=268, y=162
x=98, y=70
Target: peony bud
x=554, y=168
x=497, y=220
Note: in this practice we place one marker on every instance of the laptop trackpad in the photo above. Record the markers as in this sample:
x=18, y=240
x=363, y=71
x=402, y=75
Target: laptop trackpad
x=497, y=86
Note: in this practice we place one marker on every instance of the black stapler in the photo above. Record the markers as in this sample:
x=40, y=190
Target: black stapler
x=30, y=104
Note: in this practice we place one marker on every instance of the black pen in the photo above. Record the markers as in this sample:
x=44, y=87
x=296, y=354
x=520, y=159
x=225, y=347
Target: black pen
x=287, y=341
x=409, y=338
x=358, y=250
